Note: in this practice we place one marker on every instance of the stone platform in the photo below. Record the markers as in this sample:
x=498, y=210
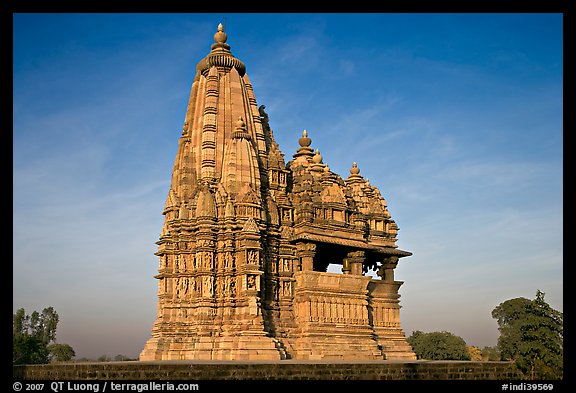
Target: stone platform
x=269, y=371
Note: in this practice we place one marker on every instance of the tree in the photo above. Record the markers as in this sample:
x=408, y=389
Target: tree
x=490, y=354
x=474, y=352
x=508, y=314
x=28, y=350
x=531, y=335
x=32, y=334
x=104, y=358
x=438, y=346
x=121, y=358
x=61, y=352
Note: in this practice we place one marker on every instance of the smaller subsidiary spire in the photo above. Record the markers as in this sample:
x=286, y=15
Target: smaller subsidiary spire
x=317, y=159
x=317, y=165
x=355, y=176
x=354, y=170
x=304, y=149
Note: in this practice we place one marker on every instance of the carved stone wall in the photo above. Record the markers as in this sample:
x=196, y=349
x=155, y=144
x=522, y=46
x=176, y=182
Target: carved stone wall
x=370, y=373
x=332, y=315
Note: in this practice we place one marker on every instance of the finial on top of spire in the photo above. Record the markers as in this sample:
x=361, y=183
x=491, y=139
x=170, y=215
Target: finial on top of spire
x=305, y=141
x=354, y=170
x=317, y=159
x=355, y=177
x=220, y=56
x=220, y=37
x=304, y=150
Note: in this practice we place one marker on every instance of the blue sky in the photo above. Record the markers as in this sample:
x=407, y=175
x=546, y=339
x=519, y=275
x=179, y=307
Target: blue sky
x=457, y=118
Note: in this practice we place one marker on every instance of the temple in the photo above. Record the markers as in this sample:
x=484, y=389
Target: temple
x=247, y=240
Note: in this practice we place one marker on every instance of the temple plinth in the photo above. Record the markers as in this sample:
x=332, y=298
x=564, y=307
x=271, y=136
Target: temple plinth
x=247, y=239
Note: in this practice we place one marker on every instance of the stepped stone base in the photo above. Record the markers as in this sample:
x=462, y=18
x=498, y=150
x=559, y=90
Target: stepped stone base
x=394, y=345
x=212, y=348
x=333, y=347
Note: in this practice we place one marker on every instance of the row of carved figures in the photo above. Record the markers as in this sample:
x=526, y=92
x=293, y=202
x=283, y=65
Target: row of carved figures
x=207, y=286
x=204, y=261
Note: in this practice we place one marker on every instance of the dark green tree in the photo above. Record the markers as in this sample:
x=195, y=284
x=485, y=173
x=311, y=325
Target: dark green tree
x=438, y=346
x=509, y=314
x=61, y=352
x=121, y=358
x=29, y=350
x=531, y=335
x=32, y=334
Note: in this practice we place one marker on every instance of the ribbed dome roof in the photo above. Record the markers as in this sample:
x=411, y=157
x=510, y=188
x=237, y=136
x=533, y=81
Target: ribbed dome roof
x=220, y=55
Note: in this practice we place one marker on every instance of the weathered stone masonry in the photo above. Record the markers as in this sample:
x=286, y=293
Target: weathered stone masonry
x=286, y=370
x=247, y=239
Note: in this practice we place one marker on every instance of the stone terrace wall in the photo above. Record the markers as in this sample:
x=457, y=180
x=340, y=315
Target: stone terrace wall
x=286, y=370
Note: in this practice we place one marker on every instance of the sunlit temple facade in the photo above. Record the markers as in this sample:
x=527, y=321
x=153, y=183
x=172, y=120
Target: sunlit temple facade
x=247, y=239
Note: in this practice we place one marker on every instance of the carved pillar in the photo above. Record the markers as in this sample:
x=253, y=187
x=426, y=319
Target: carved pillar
x=352, y=264
x=387, y=266
x=346, y=268
x=306, y=252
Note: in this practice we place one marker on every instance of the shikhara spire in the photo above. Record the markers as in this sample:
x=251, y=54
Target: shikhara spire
x=247, y=239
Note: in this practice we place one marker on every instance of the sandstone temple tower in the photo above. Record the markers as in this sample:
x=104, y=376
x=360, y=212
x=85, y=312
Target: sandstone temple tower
x=247, y=240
